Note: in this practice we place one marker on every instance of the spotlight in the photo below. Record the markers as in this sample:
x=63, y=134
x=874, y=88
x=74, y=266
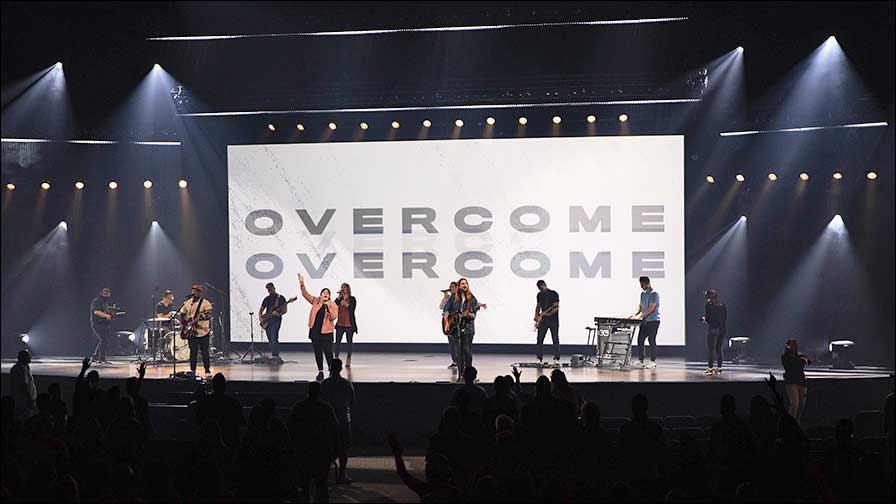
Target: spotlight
x=155, y=223
x=113, y=184
x=79, y=185
x=556, y=119
x=871, y=175
x=710, y=179
x=804, y=176
x=300, y=127
x=132, y=337
x=832, y=39
x=591, y=119
x=523, y=121
x=58, y=64
x=272, y=127
x=63, y=225
x=490, y=121
x=427, y=123
x=838, y=175
x=772, y=176
x=740, y=49
x=11, y=186
x=45, y=186
x=363, y=125
x=459, y=123
x=156, y=66
x=332, y=126
x=182, y=184
x=623, y=117
x=25, y=338
x=395, y=125
x=739, y=177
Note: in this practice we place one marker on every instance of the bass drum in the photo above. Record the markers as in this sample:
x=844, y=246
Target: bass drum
x=181, y=347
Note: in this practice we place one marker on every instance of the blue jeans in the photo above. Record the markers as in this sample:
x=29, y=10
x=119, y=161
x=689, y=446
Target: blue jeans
x=273, y=332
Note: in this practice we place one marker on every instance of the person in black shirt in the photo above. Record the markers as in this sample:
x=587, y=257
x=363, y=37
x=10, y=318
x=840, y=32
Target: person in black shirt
x=101, y=322
x=547, y=316
x=795, y=378
x=165, y=307
x=715, y=318
x=272, y=302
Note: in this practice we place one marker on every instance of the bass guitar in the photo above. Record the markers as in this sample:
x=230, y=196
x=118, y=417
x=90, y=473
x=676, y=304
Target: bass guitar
x=265, y=319
x=190, y=326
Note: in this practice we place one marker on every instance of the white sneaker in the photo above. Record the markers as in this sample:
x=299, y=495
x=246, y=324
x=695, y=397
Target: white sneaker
x=557, y=363
x=650, y=365
x=540, y=363
x=638, y=364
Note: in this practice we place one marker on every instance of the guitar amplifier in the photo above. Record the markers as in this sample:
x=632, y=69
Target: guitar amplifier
x=577, y=360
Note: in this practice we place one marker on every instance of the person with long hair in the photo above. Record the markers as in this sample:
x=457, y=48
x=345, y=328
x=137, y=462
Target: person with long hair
x=795, y=378
x=321, y=322
x=345, y=322
x=715, y=317
x=462, y=307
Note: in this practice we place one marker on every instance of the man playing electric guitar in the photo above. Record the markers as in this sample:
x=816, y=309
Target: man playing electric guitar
x=194, y=315
x=270, y=316
x=547, y=308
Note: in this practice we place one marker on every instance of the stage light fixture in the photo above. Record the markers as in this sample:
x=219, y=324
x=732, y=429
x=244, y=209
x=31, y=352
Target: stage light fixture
x=155, y=223
x=132, y=337
x=156, y=66
x=739, y=177
x=63, y=225
x=838, y=175
x=871, y=175
x=58, y=64
x=804, y=176
x=459, y=123
x=45, y=186
x=332, y=126
x=363, y=125
x=523, y=121
x=25, y=338
x=623, y=117
x=772, y=176
x=740, y=49
x=591, y=119
x=490, y=121
x=147, y=183
x=395, y=125
x=113, y=184
x=427, y=123
x=556, y=119
x=300, y=127
x=11, y=186
x=710, y=179
x=272, y=127
x=182, y=184
x=79, y=185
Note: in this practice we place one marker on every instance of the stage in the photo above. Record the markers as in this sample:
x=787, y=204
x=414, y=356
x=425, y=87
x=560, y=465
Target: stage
x=394, y=367
x=406, y=392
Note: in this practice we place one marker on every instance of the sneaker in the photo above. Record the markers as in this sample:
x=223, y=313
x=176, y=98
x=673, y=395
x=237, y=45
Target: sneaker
x=638, y=364
x=557, y=362
x=708, y=371
x=718, y=370
x=540, y=363
x=276, y=360
x=650, y=365
x=320, y=376
x=452, y=365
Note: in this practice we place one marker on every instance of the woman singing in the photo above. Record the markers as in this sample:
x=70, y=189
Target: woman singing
x=795, y=378
x=320, y=323
x=462, y=306
x=346, y=323
x=716, y=315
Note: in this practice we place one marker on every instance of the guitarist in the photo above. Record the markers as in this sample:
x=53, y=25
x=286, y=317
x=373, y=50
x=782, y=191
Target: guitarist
x=192, y=309
x=273, y=307
x=547, y=308
x=101, y=313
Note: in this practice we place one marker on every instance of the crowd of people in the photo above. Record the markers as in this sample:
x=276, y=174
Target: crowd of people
x=513, y=444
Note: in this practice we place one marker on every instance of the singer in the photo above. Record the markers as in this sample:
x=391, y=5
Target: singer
x=461, y=308
x=321, y=325
x=452, y=337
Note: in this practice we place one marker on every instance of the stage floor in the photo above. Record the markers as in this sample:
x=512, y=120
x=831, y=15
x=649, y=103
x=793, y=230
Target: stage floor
x=370, y=367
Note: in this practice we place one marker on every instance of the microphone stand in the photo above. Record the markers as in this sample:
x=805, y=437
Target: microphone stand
x=174, y=343
x=224, y=354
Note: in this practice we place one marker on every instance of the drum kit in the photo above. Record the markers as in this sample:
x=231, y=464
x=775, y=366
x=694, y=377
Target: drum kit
x=162, y=341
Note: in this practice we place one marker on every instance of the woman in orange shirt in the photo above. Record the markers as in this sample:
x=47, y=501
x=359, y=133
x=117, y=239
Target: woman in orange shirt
x=321, y=322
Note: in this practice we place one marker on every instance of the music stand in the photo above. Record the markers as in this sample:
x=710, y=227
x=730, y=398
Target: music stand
x=251, y=351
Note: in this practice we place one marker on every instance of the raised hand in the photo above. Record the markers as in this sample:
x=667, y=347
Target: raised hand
x=395, y=444
x=517, y=373
x=85, y=364
x=141, y=369
x=301, y=279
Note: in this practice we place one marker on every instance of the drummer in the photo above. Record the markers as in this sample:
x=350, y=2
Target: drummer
x=165, y=308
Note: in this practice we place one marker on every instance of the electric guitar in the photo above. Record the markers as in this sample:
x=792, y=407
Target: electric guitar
x=266, y=318
x=450, y=321
x=541, y=316
x=190, y=326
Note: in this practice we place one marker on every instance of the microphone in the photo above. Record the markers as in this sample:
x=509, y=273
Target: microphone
x=445, y=290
